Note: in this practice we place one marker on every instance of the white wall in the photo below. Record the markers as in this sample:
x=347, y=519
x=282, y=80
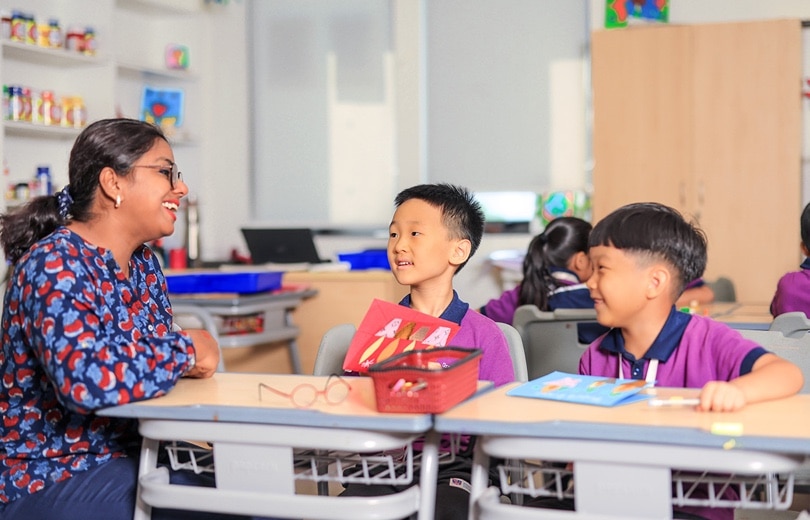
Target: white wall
x=225, y=194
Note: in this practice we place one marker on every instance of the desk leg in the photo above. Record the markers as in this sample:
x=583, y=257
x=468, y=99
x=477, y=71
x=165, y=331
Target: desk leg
x=429, y=476
x=604, y=488
x=295, y=357
x=148, y=462
x=480, y=476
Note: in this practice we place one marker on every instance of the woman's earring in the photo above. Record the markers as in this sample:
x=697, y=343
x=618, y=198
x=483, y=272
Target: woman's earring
x=117, y=201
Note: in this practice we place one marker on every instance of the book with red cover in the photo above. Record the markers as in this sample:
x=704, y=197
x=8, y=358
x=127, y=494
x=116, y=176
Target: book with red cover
x=389, y=328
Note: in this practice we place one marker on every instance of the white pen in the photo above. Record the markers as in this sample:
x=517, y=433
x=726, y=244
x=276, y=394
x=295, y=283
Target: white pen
x=675, y=401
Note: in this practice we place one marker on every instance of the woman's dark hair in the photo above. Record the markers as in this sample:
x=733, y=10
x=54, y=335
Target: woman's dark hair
x=658, y=232
x=116, y=143
x=554, y=247
x=461, y=213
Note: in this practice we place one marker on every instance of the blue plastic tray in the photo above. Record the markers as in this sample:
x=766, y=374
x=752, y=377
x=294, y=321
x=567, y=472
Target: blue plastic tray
x=242, y=283
x=368, y=259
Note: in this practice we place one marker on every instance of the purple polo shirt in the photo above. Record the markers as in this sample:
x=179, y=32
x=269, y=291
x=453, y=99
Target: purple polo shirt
x=692, y=350
x=793, y=292
x=478, y=331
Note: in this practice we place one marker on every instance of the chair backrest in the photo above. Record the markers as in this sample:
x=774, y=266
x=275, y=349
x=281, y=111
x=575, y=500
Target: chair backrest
x=795, y=350
x=791, y=324
x=516, y=351
x=550, y=338
x=333, y=349
x=723, y=289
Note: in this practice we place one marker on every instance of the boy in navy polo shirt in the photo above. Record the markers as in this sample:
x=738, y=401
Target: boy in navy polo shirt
x=793, y=290
x=643, y=255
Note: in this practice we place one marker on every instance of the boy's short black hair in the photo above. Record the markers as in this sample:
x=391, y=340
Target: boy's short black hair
x=805, y=227
x=658, y=231
x=461, y=213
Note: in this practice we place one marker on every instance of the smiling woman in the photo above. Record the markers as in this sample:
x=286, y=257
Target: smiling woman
x=87, y=324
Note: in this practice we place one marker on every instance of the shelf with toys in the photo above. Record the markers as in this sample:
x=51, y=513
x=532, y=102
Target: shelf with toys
x=97, y=63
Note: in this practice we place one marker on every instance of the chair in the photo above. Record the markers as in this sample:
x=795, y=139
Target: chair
x=550, y=338
x=333, y=349
x=791, y=324
x=794, y=349
x=723, y=289
x=516, y=351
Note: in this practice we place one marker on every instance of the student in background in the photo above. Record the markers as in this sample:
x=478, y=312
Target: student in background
x=435, y=230
x=643, y=255
x=697, y=292
x=87, y=324
x=554, y=271
x=793, y=290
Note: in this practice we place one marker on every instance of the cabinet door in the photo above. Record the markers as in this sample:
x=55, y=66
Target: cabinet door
x=642, y=117
x=747, y=150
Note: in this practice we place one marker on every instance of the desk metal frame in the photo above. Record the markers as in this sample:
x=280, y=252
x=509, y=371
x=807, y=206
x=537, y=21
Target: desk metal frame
x=623, y=456
x=255, y=447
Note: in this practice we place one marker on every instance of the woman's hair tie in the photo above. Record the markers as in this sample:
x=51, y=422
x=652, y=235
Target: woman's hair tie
x=65, y=201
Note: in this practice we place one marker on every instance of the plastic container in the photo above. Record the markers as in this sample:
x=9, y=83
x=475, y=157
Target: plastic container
x=241, y=283
x=425, y=381
x=44, y=180
x=368, y=259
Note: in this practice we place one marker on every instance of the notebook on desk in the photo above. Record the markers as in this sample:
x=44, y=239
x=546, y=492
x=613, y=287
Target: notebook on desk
x=281, y=246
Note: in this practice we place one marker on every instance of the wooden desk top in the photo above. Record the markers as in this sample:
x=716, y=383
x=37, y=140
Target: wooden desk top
x=782, y=425
x=234, y=397
x=735, y=312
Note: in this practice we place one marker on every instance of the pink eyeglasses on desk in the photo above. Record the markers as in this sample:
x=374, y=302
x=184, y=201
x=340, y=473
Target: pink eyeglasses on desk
x=304, y=395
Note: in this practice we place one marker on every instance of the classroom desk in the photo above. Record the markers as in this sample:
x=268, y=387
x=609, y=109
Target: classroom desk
x=754, y=316
x=243, y=320
x=624, y=455
x=255, y=444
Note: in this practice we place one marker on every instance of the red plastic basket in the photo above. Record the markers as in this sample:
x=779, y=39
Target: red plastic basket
x=425, y=381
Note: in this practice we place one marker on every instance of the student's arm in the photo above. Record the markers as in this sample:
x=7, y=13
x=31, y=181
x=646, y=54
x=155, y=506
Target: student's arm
x=771, y=378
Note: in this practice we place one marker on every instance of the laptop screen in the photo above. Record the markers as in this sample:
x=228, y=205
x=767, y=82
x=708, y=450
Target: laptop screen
x=281, y=246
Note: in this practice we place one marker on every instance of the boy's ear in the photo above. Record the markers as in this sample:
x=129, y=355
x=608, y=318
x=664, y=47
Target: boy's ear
x=805, y=251
x=460, y=252
x=659, y=281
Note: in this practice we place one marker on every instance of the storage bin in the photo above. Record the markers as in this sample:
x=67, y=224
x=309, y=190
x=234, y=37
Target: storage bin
x=425, y=381
x=368, y=259
x=241, y=283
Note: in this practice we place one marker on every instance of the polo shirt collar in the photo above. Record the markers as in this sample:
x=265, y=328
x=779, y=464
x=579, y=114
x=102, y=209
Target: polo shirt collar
x=564, y=276
x=664, y=345
x=454, y=312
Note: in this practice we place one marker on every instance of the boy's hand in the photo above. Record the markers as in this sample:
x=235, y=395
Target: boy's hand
x=721, y=396
x=207, y=353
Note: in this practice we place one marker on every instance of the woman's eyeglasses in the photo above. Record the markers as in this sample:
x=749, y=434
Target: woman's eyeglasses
x=304, y=395
x=169, y=171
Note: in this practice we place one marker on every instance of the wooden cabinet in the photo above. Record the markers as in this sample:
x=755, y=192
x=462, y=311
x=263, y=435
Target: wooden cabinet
x=343, y=297
x=707, y=119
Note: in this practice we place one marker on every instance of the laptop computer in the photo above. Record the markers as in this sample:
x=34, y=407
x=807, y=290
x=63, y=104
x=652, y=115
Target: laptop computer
x=281, y=245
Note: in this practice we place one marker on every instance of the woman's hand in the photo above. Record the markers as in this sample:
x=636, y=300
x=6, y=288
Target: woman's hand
x=207, y=353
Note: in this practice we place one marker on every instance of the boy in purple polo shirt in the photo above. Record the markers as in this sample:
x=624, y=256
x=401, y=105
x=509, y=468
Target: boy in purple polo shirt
x=435, y=230
x=793, y=290
x=643, y=255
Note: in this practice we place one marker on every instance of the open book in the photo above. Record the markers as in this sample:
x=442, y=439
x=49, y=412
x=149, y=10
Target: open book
x=575, y=388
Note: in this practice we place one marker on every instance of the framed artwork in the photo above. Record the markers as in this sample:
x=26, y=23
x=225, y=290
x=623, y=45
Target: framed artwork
x=162, y=106
x=619, y=12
